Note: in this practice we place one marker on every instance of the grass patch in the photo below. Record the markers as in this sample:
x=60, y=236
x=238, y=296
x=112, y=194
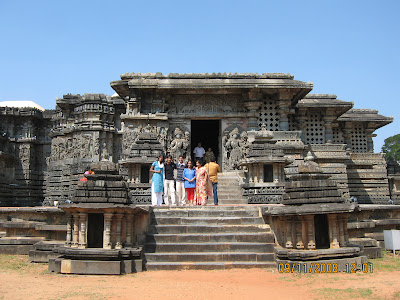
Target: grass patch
x=19, y=263
x=396, y=295
x=330, y=293
x=388, y=263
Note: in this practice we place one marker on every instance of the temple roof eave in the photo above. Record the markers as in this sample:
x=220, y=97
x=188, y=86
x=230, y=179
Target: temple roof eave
x=123, y=87
x=374, y=119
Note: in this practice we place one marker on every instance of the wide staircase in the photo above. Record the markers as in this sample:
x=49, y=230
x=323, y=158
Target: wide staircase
x=229, y=190
x=208, y=238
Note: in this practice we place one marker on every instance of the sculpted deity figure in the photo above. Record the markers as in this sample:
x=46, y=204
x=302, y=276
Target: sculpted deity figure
x=233, y=149
x=179, y=144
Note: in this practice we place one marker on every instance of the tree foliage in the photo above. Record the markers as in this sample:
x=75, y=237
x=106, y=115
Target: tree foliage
x=391, y=148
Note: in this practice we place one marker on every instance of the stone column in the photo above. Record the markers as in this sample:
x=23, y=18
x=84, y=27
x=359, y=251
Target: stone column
x=328, y=119
x=333, y=231
x=251, y=173
x=289, y=243
x=75, y=232
x=310, y=232
x=82, y=230
x=129, y=229
x=369, y=134
x=69, y=230
x=299, y=231
x=107, y=231
x=341, y=231
x=284, y=109
x=255, y=174
x=261, y=173
x=347, y=130
x=302, y=124
x=118, y=244
x=137, y=173
x=253, y=105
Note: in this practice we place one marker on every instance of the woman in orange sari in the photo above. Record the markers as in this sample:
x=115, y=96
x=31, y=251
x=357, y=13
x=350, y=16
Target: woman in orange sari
x=203, y=185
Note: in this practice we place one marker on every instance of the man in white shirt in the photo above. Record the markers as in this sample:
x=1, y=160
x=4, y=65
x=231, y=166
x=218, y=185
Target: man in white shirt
x=199, y=152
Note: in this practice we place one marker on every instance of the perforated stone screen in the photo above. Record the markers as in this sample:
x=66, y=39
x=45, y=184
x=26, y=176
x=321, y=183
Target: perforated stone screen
x=358, y=139
x=315, y=130
x=337, y=136
x=269, y=115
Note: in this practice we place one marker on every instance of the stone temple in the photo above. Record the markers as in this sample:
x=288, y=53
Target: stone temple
x=303, y=161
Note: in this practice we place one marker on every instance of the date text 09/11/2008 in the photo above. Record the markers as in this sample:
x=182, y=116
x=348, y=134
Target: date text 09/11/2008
x=323, y=268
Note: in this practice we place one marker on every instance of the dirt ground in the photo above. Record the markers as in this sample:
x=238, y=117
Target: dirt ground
x=21, y=280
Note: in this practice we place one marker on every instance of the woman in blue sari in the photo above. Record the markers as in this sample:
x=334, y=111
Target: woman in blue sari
x=157, y=181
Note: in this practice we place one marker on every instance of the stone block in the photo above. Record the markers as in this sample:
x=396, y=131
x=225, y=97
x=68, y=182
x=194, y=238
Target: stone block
x=69, y=266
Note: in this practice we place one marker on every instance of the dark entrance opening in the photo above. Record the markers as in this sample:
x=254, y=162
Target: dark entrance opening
x=321, y=231
x=95, y=230
x=268, y=173
x=144, y=173
x=207, y=132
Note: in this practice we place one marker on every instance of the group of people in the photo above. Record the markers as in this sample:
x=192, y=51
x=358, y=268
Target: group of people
x=194, y=183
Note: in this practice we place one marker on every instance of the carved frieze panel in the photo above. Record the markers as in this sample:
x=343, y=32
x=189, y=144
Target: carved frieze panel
x=206, y=104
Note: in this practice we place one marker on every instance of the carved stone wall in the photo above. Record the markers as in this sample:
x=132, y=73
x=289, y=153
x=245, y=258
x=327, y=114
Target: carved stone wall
x=24, y=146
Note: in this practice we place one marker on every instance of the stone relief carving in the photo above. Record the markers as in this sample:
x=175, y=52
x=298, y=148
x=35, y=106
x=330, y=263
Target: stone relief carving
x=76, y=146
x=179, y=143
x=235, y=144
x=25, y=156
x=210, y=104
x=131, y=137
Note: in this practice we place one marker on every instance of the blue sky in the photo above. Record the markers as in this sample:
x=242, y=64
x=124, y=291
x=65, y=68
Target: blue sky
x=347, y=48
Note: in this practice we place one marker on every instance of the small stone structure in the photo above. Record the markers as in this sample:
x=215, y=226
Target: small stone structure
x=312, y=225
x=100, y=235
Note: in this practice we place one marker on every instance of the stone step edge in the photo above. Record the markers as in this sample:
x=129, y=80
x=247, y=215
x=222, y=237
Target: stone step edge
x=206, y=243
x=210, y=234
x=161, y=254
x=212, y=263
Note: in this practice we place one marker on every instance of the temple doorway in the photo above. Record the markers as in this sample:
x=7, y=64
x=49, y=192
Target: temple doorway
x=321, y=231
x=207, y=132
x=95, y=230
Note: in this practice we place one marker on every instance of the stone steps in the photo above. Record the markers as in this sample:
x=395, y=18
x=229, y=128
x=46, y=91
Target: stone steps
x=205, y=229
x=210, y=256
x=261, y=237
x=206, y=221
x=158, y=266
x=208, y=238
x=229, y=190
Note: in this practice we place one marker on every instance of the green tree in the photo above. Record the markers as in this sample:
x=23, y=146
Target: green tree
x=391, y=148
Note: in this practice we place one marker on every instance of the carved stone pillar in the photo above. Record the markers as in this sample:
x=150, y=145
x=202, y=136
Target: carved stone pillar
x=107, y=231
x=129, y=229
x=347, y=130
x=341, y=231
x=310, y=231
x=251, y=173
x=370, y=143
x=261, y=173
x=75, y=232
x=82, y=230
x=289, y=243
x=255, y=175
x=299, y=237
x=328, y=119
x=284, y=109
x=118, y=244
x=253, y=105
x=333, y=234
x=69, y=230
